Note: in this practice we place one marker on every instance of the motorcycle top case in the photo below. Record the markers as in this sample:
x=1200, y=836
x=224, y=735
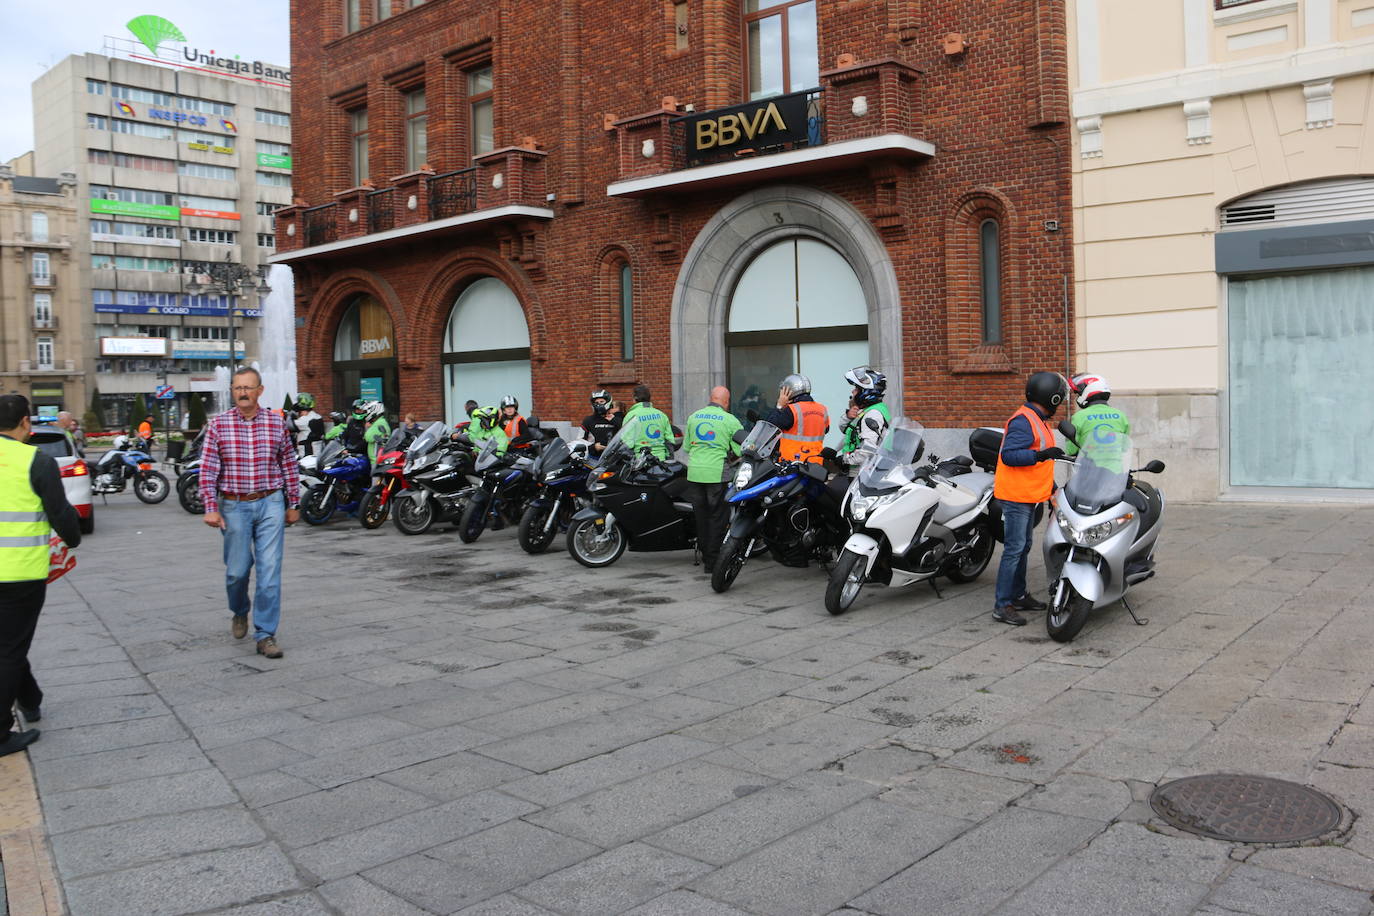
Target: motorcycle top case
x=983, y=445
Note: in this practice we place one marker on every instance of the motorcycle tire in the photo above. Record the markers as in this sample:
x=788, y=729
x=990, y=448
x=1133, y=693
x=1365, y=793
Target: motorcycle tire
x=152, y=488
x=532, y=536
x=474, y=521
x=319, y=505
x=595, y=550
x=188, y=494
x=846, y=581
x=972, y=564
x=410, y=518
x=372, y=512
x=1063, y=623
x=731, y=560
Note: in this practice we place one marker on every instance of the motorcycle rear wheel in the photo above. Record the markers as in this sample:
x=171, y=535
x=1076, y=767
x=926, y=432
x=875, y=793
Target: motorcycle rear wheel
x=188, y=494
x=733, y=553
x=372, y=512
x=595, y=545
x=413, y=518
x=532, y=536
x=319, y=505
x=971, y=564
x=473, y=522
x=152, y=488
x=1066, y=618
x=846, y=581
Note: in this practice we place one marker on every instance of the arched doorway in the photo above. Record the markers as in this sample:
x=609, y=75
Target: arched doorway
x=486, y=349
x=797, y=307
x=365, y=356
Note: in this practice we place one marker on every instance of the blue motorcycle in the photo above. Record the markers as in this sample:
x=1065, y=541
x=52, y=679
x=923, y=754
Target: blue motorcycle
x=782, y=507
x=124, y=464
x=560, y=473
x=345, y=478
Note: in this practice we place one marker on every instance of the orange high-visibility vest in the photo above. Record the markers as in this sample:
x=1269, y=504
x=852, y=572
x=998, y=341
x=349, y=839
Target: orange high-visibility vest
x=512, y=425
x=1033, y=483
x=806, y=438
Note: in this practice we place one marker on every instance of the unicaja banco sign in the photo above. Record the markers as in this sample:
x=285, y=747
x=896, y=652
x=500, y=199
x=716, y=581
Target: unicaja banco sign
x=154, y=31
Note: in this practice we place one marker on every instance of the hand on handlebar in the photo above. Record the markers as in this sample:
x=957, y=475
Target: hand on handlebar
x=1049, y=454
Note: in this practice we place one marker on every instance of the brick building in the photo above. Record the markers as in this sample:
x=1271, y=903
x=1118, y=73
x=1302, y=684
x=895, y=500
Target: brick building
x=555, y=196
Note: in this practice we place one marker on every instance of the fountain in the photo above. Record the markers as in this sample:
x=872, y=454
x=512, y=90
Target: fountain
x=277, y=351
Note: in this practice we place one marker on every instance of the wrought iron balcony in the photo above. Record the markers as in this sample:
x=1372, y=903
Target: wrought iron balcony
x=381, y=210
x=453, y=193
x=321, y=224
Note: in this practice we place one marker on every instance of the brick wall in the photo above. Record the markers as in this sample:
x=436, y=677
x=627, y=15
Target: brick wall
x=995, y=114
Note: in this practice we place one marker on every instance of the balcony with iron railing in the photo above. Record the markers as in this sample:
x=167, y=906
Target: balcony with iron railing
x=506, y=185
x=861, y=113
x=44, y=323
x=43, y=281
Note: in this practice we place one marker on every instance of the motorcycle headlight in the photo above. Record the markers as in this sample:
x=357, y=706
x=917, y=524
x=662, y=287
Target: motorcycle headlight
x=1093, y=534
x=859, y=506
x=744, y=475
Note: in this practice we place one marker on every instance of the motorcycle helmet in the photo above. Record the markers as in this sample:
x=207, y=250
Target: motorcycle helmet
x=871, y=383
x=338, y=416
x=120, y=442
x=510, y=401
x=359, y=408
x=1048, y=389
x=305, y=401
x=371, y=410
x=795, y=385
x=604, y=397
x=1090, y=387
x=485, y=417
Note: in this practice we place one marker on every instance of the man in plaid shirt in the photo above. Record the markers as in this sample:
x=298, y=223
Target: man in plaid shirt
x=250, y=484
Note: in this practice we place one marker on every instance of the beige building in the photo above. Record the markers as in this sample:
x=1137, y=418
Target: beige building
x=178, y=170
x=1224, y=230
x=41, y=304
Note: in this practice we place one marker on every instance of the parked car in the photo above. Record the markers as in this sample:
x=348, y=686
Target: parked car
x=58, y=445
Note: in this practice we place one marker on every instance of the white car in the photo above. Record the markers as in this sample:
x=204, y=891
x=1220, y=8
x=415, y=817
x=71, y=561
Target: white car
x=57, y=444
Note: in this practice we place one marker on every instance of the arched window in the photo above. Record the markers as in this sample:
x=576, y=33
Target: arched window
x=990, y=279
x=365, y=355
x=486, y=349
x=798, y=307
x=627, y=313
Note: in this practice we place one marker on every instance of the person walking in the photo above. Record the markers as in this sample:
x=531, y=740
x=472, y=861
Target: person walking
x=1024, y=478
x=250, y=485
x=710, y=440
x=32, y=506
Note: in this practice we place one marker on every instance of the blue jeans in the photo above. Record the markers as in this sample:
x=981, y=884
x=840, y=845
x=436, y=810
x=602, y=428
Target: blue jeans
x=253, y=536
x=1018, y=523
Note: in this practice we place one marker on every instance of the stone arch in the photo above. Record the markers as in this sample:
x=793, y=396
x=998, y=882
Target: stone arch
x=732, y=238
x=430, y=311
x=332, y=300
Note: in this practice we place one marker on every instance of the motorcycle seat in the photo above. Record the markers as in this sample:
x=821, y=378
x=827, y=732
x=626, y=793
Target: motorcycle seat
x=675, y=488
x=1147, y=501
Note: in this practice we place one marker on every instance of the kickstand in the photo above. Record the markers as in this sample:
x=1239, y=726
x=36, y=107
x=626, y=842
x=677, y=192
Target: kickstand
x=931, y=580
x=1139, y=621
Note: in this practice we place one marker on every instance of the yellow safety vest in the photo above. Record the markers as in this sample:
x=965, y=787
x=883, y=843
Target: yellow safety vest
x=24, y=529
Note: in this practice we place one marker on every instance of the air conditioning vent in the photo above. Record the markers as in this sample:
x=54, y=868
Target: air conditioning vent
x=1313, y=202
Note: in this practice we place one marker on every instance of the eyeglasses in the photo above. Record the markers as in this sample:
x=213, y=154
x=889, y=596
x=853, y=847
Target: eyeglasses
x=250, y=388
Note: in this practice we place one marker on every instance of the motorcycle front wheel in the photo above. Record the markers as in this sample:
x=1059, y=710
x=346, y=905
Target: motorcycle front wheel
x=152, y=487
x=411, y=517
x=319, y=505
x=1067, y=613
x=733, y=553
x=474, y=521
x=846, y=581
x=595, y=545
x=536, y=534
x=372, y=511
x=970, y=564
x=188, y=494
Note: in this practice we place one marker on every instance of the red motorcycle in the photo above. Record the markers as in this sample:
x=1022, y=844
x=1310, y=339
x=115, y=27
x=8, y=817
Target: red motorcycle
x=387, y=480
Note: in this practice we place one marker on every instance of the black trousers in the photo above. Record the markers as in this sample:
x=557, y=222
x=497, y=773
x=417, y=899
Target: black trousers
x=20, y=604
x=713, y=517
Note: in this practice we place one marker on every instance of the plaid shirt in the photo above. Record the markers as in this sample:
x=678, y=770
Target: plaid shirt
x=248, y=456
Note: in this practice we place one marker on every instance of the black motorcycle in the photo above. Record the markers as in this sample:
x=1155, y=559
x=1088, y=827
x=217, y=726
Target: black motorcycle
x=785, y=507
x=506, y=489
x=560, y=474
x=439, y=476
x=638, y=503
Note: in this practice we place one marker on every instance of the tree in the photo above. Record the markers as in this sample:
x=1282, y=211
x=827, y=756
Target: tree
x=92, y=420
x=197, y=413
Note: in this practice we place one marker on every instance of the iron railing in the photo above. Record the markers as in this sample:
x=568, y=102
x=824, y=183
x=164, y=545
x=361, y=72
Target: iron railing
x=453, y=193
x=321, y=225
x=381, y=213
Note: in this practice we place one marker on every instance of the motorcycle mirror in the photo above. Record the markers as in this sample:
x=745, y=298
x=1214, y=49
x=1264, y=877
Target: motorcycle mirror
x=1068, y=429
x=1155, y=467
x=739, y=436
x=677, y=432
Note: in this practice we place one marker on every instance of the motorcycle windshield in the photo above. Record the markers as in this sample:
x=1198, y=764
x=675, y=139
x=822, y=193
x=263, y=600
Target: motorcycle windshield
x=890, y=465
x=393, y=441
x=329, y=453
x=556, y=454
x=762, y=441
x=616, y=452
x=426, y=441
x=1101, y=472
x=487, y=456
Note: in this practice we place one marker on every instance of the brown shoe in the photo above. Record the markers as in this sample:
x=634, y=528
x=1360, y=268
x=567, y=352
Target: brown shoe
x=268, y=646
x=240, y=626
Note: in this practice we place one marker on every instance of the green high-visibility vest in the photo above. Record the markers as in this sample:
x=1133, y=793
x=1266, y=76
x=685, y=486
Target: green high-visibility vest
x=24, y=529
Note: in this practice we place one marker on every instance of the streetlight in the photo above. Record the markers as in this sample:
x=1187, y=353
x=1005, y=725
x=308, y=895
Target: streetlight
x=228, y=278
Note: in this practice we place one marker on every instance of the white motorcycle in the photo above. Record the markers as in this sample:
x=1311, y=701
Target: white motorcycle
x=1102, y=539
x=911, y=523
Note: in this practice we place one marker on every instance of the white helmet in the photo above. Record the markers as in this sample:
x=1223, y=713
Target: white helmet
x=372, y=410
x=120, y=442
x=1088, y=386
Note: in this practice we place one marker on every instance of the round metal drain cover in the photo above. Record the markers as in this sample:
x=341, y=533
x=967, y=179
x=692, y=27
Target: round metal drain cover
x=1246, y=809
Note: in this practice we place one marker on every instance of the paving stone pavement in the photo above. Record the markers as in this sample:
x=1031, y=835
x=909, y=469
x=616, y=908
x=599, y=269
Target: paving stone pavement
x=467, y=729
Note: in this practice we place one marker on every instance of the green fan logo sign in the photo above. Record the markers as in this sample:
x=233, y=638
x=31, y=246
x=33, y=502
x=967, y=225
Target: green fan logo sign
x=153, y=31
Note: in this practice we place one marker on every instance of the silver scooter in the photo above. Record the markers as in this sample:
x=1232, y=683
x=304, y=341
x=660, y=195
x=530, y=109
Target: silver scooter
x=1101, y=540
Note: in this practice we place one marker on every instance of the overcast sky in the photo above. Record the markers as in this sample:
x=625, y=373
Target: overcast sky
x=36, y=35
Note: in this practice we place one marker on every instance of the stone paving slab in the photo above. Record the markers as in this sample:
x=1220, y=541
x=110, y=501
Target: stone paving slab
x=627, y=740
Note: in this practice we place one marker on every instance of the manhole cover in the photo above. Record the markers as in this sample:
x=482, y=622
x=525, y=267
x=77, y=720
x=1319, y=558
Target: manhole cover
x=1246, y=809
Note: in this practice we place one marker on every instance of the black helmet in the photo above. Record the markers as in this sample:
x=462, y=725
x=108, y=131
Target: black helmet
x=604, y=396
x=337, y=416
x=871, y=383
x=510, y=401
x=1048, y=389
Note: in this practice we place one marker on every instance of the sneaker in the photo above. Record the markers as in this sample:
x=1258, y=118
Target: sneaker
x=268, y=646
x=31, y=715
x=17, y=741
x=240, y=626
x=1008, y=615
x=1027, y=603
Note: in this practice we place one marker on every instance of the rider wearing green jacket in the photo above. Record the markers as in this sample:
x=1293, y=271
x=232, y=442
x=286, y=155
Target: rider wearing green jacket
x=646, y=426
x=485, y=423
x=1097, y=421
x=710, y=440
x=867, y=419
x=377, y=430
